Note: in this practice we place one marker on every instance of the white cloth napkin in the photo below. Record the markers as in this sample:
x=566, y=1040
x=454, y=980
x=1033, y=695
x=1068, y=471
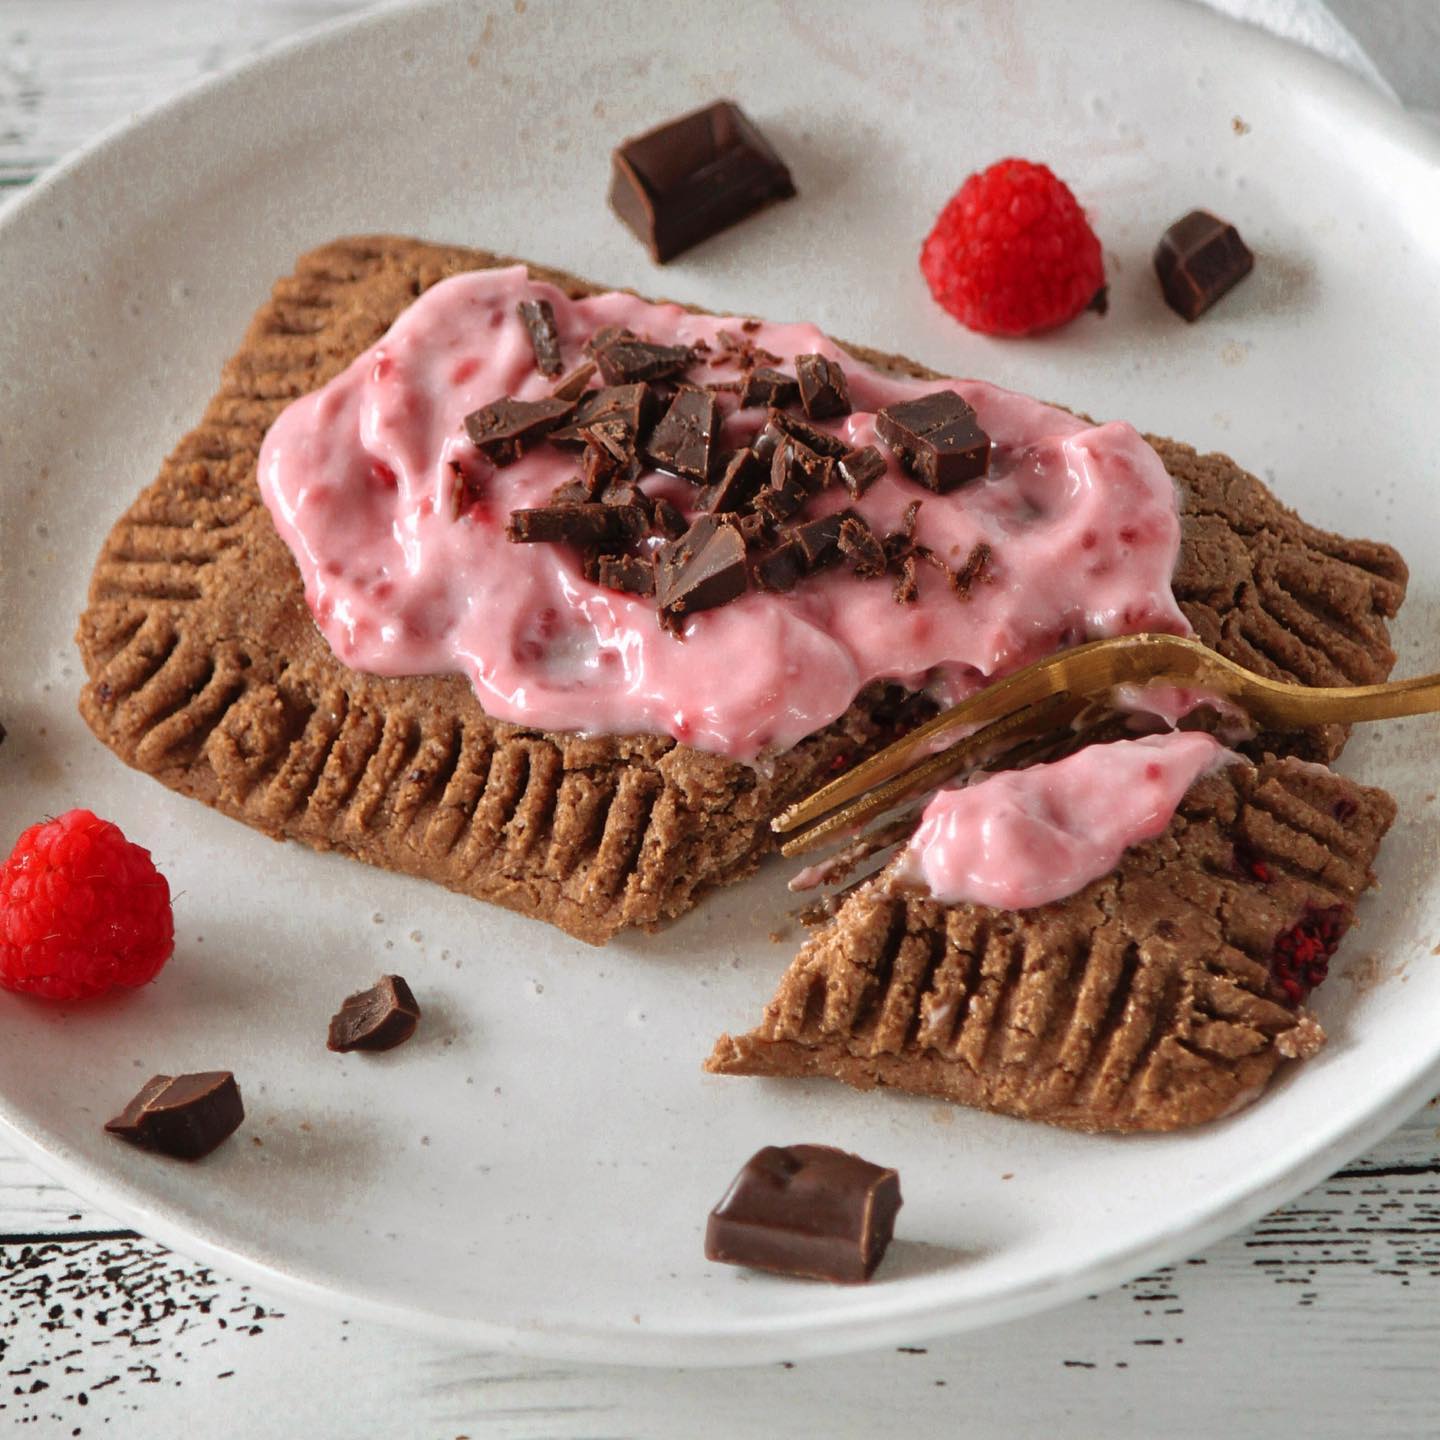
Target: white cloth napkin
x=1307, y=22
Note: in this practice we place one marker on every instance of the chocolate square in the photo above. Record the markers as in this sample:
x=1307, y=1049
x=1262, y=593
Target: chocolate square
x=690, y=178
x=806, y=1210
x=1199, y=258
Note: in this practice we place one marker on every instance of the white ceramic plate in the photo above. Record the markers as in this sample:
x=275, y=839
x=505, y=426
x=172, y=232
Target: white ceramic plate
x=534, y=1170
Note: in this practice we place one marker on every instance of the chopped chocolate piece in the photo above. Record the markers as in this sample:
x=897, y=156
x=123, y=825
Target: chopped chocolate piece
x=1198, y=259
x=503, y=430
x=614, y=437
x=857, y=541
x=822, y=442
x=630, y=573
x=742, y=477
x=819, y=540
x=625, y=360
x=690, y=178
x=705, y=567
x=764, y=444
x=572, y=386
x=572, y=492
x=379, y=1018
x=750, y=324
x=782, y=568
x=668, y=519
x=786, y=492
x=585, y=524
x=538, y=318
x=823, y=391
x=763, y=386
x=632, y=406
x=937, y=439
x=185, y=1116
x=806, y=1210
x=860, y=469
x=907, y=584
x=683, y=440
x=962, y=579
x=756, y=529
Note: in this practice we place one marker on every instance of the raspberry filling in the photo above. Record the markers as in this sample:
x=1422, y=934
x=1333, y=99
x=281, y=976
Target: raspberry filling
x=1301, y=958
x=1024, y=838
x=1081, y=523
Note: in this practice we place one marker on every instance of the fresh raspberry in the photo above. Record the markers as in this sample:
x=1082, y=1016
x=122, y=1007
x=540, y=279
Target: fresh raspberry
x=82, y=910
x=1012, y=252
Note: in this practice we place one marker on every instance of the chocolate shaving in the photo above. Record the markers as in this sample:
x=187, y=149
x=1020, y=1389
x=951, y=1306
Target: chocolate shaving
x=906, y=585
x=858, y=543
x=683, y=440
x=502, y=431
x=763, y=386
x=936, y=438
x=962, y=579
x=703, y=568
x=823, y=391
x=584, y=524
x=538, y=318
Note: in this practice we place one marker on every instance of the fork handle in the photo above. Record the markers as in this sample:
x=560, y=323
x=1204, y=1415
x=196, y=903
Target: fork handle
x=1282, y=704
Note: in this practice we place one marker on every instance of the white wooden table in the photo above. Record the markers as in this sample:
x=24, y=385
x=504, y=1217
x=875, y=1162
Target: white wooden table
x=1323, y=1318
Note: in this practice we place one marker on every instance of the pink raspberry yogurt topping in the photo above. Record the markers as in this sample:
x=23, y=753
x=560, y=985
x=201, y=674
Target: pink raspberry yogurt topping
x=1027, y=837
x=1081, y=520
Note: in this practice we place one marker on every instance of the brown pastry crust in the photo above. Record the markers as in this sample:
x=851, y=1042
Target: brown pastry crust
x=206, y=671
x=1143, y=1002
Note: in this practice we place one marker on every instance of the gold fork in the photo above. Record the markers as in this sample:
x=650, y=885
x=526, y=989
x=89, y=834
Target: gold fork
x=1008, y=721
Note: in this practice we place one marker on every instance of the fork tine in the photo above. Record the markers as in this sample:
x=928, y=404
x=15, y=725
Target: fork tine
x=1099, y=664
x=1011, y=730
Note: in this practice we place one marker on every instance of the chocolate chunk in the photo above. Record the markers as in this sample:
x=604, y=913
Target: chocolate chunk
x=823, y=391
x=860, y=469
x=538, y=318
x=668, y=519
x=786, y=493
x=742, y=477
x=629, y=573
x=1198, y=259
x=504, y=429
x=763, y=386
x=683, y=440
x=632, y=406
x=584, y=524
x=858, y=542
x=572, y=386
x=379, y=1018
x=756, y=529
x=907, y=583
x=819, y=540
x=806, y=1210
x=937, y=439
x=690, y=178
x=704, y=568
x=782, y=568
x=625, y=359
x=185, y=1116
x=822, y=442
